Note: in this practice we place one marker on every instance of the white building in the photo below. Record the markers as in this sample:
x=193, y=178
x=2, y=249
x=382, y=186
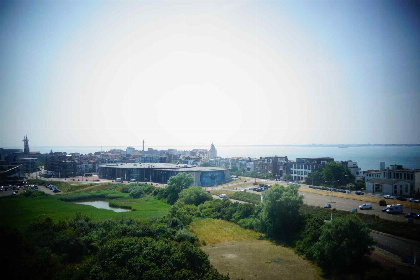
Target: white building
x=388, y=187
x=300, y=168
x=398, y=172
x=371, y=174
x=355, y=170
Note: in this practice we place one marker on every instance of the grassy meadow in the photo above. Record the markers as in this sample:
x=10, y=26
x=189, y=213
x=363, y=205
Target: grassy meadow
x=240, y=252
x=19, y=211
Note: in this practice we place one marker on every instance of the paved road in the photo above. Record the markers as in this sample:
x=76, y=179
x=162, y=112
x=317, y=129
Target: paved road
x=347, y=204
x=398, y=246
x=233, y=200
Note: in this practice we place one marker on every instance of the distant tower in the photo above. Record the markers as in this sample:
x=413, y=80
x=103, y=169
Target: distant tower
x=25, y=145
x=212, y=151
x=143, y=145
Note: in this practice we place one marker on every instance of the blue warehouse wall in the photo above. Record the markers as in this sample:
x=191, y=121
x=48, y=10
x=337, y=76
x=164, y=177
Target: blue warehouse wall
x=212, y=177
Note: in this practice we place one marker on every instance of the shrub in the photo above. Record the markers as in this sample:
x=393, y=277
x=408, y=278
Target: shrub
x=194, y=195
x=342, y=245
x=33, y=193
x=247, y=197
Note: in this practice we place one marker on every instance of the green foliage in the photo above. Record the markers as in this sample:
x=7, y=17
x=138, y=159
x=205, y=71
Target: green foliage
x=337, y=174
x=315, y=178
x=194, y=195
x=287, y=177
x=410, y=231
x=176, y=184
x=226, y=210
x=119, y=205
x=333, y=174
x=30, y=193
x=360, y=185
x=109, y=249
x=342, y=245
x=91, y=195
x=279, y=217
x=310, y=235
x=184, y=213
x=247, y=197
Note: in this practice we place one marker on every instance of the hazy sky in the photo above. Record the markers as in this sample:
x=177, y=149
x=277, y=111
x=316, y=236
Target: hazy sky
x=196, y=72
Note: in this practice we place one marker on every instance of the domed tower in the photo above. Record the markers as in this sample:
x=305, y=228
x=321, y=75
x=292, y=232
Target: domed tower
x=212, y=152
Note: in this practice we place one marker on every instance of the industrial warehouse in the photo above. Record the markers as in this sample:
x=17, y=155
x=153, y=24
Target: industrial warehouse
x=161, y=172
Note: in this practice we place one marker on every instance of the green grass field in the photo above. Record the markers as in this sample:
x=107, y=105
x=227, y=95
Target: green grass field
x=19, y=211
x=237, y=251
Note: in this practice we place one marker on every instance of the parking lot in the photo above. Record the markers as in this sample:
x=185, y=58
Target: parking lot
x=316, y=199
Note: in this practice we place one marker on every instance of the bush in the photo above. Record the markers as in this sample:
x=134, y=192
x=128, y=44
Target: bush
x=279, y=215
x=194, y=195
x=109, y=249
x=247, y=197
x=176, y=184
x=342, y=245
x=34, y=194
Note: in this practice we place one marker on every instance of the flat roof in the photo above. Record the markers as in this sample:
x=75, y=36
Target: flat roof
x=161, y=166
x=196, y=169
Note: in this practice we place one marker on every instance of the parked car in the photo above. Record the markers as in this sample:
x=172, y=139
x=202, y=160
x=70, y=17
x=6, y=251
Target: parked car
x=401, y=198
x=327, y=205
x=413, y=200
x=382, y=202
x=359, y=193
x=388, y=196
x=365, y=206
x=397, y=208
x=223, y=195
x=386, y=208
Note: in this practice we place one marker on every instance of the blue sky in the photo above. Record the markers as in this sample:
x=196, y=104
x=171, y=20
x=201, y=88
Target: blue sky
x=196, y=72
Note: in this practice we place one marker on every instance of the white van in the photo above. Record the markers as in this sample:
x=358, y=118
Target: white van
x=397, y=208
x=118, y=180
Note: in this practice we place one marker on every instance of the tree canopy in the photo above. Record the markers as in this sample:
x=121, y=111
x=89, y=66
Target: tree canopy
x=279, y=214
x=333, y=174
x=342, y=245
x=194, y=195
x=176, y=184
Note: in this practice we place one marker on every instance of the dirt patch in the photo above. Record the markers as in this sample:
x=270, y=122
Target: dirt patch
x=259, y=259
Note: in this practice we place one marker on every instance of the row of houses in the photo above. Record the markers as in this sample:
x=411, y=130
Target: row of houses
x=394, y=180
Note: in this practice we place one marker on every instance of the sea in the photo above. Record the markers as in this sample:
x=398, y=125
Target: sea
x=367, y=157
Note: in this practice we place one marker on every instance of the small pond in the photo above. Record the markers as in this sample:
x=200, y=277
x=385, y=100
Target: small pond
x=103, y=205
